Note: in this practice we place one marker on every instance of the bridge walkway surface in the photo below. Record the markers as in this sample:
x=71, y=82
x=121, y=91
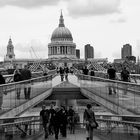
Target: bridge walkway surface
x=96, y=90
x=76, y=136
x=127, y=103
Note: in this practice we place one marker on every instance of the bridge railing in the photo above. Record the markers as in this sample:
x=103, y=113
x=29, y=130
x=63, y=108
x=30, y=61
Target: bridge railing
x=9, y=78
x=109, y=129
x=17, y=93
x=135, y=78
x=126, y=95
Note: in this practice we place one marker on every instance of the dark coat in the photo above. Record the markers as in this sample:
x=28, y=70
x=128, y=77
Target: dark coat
x=2, y=80
x=17, y=77
x=26, y=74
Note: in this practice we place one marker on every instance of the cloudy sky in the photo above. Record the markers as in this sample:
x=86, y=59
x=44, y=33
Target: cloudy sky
x=105, y=24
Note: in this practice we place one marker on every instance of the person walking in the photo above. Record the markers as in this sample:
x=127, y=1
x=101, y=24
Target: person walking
x=66, y=71
x=111, y=72
x=17, y=78
x=2, y=81
x=85, y=70
x=51, y=124
x=89, y=120
x=45, y=73
x=92, y=73
x=57, y=121
x=71, y=120
x=63, y=121
x=61, y=71
x=44, y=118
x=125, y=76
x=26, y=75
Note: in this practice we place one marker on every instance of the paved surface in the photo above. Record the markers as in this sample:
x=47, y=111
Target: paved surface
x=130, y=100
x=69, y=137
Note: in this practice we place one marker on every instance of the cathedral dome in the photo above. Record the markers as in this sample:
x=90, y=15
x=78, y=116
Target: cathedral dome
x=61, y=33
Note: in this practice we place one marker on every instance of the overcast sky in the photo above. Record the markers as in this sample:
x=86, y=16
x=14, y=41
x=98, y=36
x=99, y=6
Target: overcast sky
x=105, y=24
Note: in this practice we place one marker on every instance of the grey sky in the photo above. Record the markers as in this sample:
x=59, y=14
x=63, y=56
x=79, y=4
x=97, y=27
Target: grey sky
x=28, y=3
x=105, y=24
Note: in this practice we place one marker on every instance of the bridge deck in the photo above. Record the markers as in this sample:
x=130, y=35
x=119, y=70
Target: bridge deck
x=77, y=136
x=128, y=101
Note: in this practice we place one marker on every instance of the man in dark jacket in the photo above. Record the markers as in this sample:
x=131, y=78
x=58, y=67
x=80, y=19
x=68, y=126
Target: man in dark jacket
x=17, y=78
x=63, y=122
x=125, y=76
x=44, y=117
x=26, y=75
x=57, y=121
x=111, y=72
x=2, y=81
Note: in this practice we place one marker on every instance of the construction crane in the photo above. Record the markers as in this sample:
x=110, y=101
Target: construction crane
x=34, y=52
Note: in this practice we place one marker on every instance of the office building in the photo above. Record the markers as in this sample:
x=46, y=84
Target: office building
x=126, y=51
x=78, y=53
x=89, y=51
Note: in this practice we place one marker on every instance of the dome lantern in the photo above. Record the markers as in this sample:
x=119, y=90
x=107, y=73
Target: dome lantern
x=61, y=20
x=61, y=33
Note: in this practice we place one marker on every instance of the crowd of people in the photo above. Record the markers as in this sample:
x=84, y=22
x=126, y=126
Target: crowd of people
x=56, y=119
x=111, y=74
x=125, y=77
x=64, y=71
x=21, y=75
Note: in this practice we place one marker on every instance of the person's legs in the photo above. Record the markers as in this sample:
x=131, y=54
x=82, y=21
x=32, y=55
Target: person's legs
x=1, y=101
x=45, y=130
x=91, y=133
x=125, y=88
x=29, y=92
x=25, y=92
x=87, y=132
x=64, y=134
x=56, y=130
x=109, y=88
x=114, y=88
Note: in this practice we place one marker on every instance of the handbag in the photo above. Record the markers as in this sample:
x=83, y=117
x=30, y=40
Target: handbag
x=92, y=122
x=93, y=125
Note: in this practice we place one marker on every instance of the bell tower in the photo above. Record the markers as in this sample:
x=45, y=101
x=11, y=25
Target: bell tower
x=10, y=51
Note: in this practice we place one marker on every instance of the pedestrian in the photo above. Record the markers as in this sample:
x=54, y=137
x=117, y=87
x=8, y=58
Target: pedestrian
x=71, y=120
x=17, y=78
x=44, y=118
x=85, y=70
x=125, y=76
x=111, y=73
x=63, y=122
x=92, y=73
x=52, y=114
x=57, y=121
x=90, y=121
x=71, y=70
x=66, y=71
x=2, y=81
x=57, y=70
x=26, y=75
x=61, y=71
x=45, y=73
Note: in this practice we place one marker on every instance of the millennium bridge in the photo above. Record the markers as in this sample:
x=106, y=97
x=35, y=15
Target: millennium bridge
x=122, y=124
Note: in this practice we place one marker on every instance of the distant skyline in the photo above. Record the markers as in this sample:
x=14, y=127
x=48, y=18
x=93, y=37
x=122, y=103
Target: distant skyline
x=105, y=24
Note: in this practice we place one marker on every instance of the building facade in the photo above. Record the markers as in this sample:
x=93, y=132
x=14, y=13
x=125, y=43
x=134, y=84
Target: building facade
x=89, y=51
x=126, y=51
x=62, y=45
